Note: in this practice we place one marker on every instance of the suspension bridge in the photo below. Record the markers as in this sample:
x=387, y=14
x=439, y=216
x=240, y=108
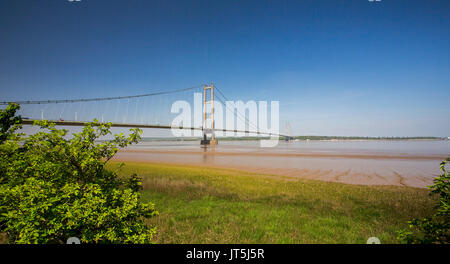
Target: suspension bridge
x=151, y=110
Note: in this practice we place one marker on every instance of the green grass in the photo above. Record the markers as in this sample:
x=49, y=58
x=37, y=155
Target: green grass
x=209, y=205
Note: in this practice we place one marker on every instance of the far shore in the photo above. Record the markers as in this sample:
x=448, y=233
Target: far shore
x=300, y=140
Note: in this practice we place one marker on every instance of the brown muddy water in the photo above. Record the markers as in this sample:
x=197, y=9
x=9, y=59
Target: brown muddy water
x=403, y=163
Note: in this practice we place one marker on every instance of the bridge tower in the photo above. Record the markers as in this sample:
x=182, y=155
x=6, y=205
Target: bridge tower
x=288, y=136
x=208, y=91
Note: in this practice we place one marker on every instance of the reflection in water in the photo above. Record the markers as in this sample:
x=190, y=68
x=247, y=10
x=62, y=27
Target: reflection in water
x=207, y=158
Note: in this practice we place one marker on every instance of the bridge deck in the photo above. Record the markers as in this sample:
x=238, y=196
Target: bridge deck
x=125, y=125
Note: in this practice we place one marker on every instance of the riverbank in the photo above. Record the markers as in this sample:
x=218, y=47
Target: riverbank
x=343, y=166
x=209, y=205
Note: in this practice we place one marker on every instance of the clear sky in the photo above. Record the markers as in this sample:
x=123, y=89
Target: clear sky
x=337, y=67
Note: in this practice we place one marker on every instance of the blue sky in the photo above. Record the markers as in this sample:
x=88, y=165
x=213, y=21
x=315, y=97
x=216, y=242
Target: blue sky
x=337, y=67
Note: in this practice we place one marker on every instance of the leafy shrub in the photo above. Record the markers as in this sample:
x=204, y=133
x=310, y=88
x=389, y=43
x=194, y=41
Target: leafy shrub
x=53, y=187
x=9, y=122
x=434, y=229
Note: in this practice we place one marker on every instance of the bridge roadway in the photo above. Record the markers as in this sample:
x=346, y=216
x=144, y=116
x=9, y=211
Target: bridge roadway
x=125, y=125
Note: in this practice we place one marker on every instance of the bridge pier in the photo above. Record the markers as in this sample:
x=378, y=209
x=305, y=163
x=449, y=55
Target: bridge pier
x=208, y=142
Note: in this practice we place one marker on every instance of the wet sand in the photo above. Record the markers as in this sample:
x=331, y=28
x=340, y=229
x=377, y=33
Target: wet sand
x=364, y=167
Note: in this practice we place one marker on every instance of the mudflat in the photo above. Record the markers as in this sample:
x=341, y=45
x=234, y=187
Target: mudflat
x=364, y=167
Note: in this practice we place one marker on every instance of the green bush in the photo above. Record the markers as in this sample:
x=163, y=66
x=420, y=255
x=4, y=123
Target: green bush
x=54, y=186
x=434, y=229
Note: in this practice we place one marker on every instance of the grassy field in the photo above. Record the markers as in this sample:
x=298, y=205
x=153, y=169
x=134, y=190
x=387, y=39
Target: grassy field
x=208, y=205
